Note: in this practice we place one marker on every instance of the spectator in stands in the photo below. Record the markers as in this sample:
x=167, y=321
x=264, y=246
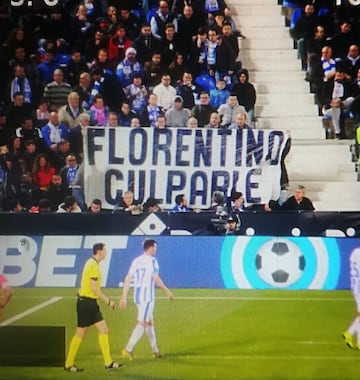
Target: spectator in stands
x=42, y=113
x=339, y=96
x=128, y=204
x=240, y=122
x=112, y=120
x=298, y=202
x=20, y=84
x=118, y=44
x=151, y=205
x=145, y=44
x=103, y=63
x=162, y=17
x=94, y=44
x=135, y=123
x=31, y=69
x=189, y=91
x=225, y=62
x=12, y=179
x=192, y=122
x=197, y=60
x=47, y=67
x=214, y=121
x=95, y=206
x=125, y=115
x=161, y=122
x=229, y=111
x=82, y=25
x=57, y=91
x=58, y=157
x=128, y=67
x=53, y=132
x=57, y=192
x=165, y=92
x=219, y=95
x=108, y=87
x=231, y=37
x=68, y=172
x=212, y=43
x=188, y=26
x=76, y=136
x=136, y=94
x=17, y=111
x=203, y=110
x=75, y=67
x=28, y=156
x=153, y=71
x=303, y=31
x=151, y=112
x=27, y=131
x=130, y=21
x=69, y=114
x=69, y=206
x=245, y=93
x=83, y=88
x=177, y=69
x=314, y=47
x=177, y=115
x=170, y=45
x=42, y=173
x=351, y=64
x=180, y=204
x=328, y=64
x=218, y=203
x=98, y=111
x=237, y=202
x=342, y=40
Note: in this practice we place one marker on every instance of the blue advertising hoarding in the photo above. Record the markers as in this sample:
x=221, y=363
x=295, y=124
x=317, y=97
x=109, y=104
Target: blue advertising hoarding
x=257, y=262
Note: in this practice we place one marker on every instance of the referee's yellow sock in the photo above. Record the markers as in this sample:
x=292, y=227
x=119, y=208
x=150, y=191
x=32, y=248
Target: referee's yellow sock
x=73, y=349
x=105, y=348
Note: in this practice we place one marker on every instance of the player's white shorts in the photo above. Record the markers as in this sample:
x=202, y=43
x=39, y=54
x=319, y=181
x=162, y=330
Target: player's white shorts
x=145, y=311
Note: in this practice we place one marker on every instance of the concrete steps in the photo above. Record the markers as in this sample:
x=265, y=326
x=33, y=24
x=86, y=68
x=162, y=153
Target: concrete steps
x=324, y=167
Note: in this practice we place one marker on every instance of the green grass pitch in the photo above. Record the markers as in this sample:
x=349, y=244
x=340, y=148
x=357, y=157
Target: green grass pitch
x=207, y=334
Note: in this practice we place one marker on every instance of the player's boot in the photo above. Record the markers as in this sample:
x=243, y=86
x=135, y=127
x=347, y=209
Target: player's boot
x=113, y=365
x=126, y=354
x=348, y=339
x=73, y=368
x=158, y=355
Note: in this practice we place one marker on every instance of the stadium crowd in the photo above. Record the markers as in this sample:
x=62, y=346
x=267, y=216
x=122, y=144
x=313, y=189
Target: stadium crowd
x=108, y=63
x=116, y=63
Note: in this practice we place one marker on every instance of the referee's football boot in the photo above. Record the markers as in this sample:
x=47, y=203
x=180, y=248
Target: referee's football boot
x=73, y=368
x=114, y=365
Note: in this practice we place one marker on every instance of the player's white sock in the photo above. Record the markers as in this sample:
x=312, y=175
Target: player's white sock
x=150, y=332
x=354, y=327
x=135, y=337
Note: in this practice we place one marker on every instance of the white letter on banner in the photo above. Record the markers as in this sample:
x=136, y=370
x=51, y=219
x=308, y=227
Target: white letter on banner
x=50, y=260
x=26, y=249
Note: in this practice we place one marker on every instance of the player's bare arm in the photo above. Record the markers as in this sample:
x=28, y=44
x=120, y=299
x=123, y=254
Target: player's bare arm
x=160, y=283
x=123, y=298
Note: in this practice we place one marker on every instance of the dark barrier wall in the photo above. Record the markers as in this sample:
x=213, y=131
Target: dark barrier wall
x=344, y=224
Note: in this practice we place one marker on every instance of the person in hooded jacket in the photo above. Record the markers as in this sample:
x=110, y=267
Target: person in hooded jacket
x=245, y=93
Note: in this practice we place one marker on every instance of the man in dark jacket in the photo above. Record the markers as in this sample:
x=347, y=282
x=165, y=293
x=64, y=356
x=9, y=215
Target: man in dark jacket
x=298, y=202
x=245, y=93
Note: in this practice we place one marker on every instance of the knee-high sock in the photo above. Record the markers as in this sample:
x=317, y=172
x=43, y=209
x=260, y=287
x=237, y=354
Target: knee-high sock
x=354, y=328
x=105, y=348
x=150, y=332
x=135, y=337
x=73, y=350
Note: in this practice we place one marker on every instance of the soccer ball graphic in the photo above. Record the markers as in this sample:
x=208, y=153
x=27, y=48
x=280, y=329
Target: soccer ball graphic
x=280, y=263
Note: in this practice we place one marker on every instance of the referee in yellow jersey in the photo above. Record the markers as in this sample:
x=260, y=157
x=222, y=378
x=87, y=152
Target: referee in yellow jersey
x=88, y=311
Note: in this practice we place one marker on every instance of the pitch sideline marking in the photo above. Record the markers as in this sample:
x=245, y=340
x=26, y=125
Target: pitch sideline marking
x=30, y=311
x=266, y=357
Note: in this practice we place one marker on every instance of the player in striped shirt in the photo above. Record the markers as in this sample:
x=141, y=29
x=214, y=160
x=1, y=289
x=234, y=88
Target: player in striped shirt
x=144, y=271
x=354, y=328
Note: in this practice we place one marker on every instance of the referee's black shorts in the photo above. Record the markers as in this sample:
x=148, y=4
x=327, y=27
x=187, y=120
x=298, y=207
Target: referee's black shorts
x=88, y=311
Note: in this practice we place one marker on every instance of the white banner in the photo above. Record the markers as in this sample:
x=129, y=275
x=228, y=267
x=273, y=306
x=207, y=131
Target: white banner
x=165, y=162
